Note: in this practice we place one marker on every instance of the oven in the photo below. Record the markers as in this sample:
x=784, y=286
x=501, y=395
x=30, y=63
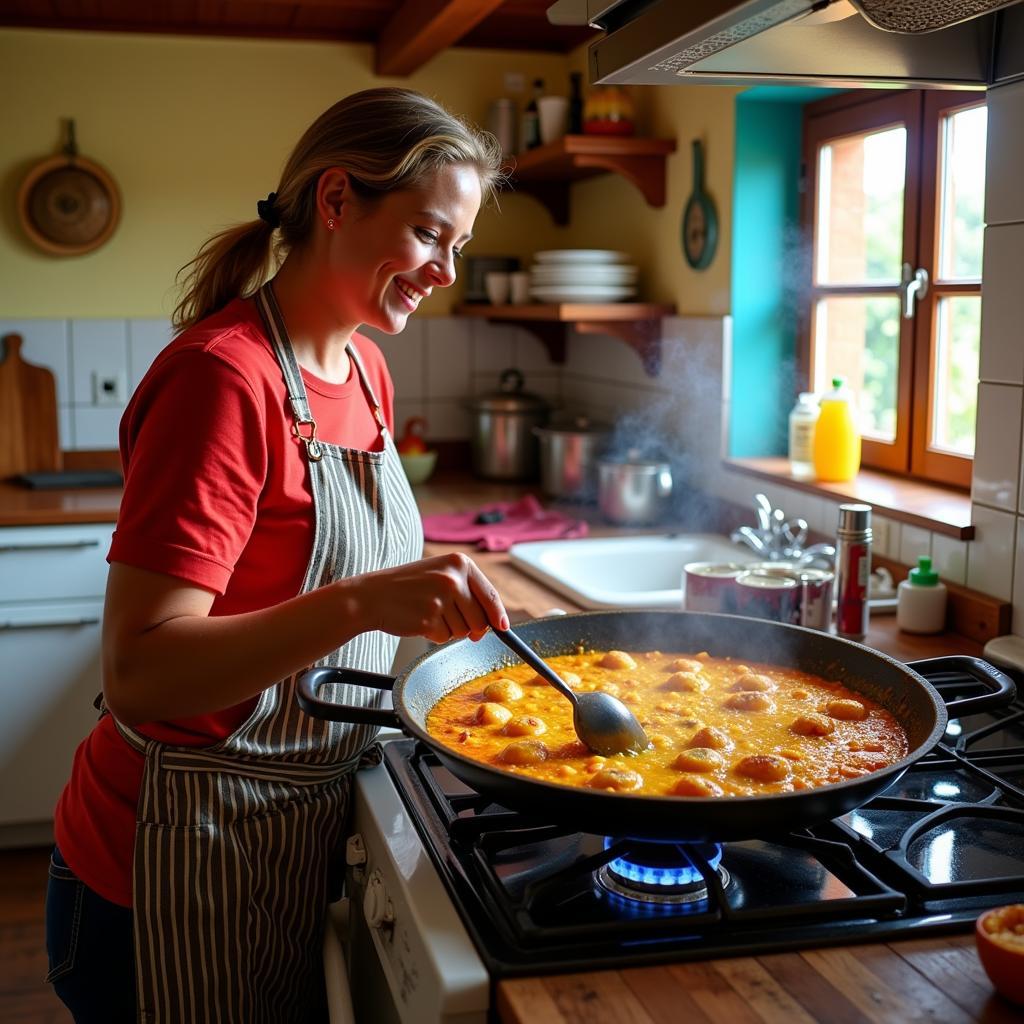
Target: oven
x=451, y=892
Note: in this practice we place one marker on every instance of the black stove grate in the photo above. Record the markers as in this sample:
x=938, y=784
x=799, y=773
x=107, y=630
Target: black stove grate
x=926, y=857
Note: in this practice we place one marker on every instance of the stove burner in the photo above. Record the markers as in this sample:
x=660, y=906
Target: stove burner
x=664, y=873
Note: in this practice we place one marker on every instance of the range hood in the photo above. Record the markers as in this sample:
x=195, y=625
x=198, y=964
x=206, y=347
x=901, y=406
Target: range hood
x=958, y=44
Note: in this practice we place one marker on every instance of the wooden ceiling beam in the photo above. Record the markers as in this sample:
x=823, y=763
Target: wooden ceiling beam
x=421, y=29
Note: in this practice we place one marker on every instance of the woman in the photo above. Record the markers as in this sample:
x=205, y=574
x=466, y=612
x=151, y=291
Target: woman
x=194, y=838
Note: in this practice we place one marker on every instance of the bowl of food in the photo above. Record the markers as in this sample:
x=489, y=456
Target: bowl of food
x=999, y=935
x=418, y=460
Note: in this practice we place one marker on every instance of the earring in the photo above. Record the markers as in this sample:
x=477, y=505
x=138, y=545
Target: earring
x=330, y=223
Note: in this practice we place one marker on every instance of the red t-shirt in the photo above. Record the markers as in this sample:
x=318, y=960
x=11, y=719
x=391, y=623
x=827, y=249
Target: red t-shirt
x=217, y=493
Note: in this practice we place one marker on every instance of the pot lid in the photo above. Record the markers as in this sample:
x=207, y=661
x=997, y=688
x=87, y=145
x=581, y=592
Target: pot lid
x=510, y=398
x=634, y=457
x=578, y=424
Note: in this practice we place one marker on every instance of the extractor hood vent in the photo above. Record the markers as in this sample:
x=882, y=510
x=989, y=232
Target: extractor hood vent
x=847, y=43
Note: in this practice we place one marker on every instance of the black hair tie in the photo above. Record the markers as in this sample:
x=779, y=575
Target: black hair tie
x=268, y=211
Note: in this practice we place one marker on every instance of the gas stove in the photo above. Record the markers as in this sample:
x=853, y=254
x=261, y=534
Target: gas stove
x=527, y=897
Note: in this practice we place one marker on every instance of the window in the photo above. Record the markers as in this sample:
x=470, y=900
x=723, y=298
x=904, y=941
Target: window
x=893, y=205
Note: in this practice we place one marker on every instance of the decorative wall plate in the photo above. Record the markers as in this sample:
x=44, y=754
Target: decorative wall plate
x=67, y=204
x=700, y=221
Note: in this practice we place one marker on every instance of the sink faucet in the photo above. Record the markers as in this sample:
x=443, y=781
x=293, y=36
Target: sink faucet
x=778, y=539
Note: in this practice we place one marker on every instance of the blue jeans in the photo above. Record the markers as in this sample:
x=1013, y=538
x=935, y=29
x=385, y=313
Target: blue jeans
x=91, y=949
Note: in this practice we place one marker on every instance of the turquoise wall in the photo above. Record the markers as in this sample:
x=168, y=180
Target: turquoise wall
x=768, y=265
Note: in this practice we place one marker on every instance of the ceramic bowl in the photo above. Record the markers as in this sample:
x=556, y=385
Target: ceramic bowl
x=999, y=935
x=418, y=466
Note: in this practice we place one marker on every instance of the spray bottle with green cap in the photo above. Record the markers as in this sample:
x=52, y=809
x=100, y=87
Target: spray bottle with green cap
x=836, y=437
x=921, y=600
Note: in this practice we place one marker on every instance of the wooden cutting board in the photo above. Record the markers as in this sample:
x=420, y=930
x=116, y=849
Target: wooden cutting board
x=29, y=437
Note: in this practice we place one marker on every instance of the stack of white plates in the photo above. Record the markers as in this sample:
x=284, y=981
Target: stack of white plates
x=582, y=275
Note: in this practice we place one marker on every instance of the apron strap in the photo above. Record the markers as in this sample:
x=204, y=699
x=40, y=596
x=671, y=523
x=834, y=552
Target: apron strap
x=378, y=413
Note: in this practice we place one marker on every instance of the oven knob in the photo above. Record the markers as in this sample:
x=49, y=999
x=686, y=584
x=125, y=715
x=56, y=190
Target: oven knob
x=355, y=851
x=377, y=908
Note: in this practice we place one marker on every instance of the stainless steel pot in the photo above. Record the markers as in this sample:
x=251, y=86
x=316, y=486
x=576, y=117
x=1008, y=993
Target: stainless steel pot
x=504, y=446
x=568, y=458
x=633, y=490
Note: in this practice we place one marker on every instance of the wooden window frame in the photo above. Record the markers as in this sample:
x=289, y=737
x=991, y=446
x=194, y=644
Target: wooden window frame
x=922, y=112
x=926, y=462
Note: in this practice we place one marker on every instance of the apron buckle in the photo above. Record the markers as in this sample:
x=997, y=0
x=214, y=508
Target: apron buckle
x=313, y=450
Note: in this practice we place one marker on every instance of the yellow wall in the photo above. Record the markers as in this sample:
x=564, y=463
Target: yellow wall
x=196, y=130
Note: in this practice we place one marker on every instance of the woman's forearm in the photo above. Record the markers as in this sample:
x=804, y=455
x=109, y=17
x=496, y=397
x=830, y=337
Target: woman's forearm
x=195, y=664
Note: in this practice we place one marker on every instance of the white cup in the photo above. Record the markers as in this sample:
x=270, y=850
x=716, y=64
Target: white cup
x=519, y=288
x=497, y=284
x=554, y=117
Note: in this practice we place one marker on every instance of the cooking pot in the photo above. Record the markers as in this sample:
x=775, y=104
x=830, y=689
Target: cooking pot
x=633, y=490
x=504, y=447
x=901, y=689
x=568, y=458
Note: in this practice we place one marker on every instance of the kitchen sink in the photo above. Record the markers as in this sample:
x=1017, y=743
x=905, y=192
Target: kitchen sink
x=624, y=572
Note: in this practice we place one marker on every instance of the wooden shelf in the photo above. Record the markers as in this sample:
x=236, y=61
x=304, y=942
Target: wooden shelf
x=547, y=171
x=638, y=324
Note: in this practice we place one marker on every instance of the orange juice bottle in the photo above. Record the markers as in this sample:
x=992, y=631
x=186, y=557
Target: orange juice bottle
x=836, y=437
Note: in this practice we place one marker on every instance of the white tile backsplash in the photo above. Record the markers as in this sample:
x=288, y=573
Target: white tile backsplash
x=949, y=558
x=996, y=462
x=1002, y=335
x=914, y=542
x=448, y=354
x=95, y=427
x=146, y=339
x=886, y=536
x=447, y=420
x=1004, y=198
x=405, y=354
x=991, y=555
x=530, y=354
x=97, y=347
x=494, y=347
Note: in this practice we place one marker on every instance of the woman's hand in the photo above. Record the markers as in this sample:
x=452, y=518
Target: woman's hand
x=442, y=598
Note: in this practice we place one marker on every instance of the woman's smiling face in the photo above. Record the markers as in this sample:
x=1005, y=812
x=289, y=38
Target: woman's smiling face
x=387, y=255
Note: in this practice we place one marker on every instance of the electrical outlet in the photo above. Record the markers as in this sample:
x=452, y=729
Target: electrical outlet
x=515, y=83
x=109, y=388
x=880, y=535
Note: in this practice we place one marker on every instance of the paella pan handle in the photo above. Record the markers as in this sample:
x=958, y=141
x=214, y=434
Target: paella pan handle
x=1001, y=687
x=310, y=681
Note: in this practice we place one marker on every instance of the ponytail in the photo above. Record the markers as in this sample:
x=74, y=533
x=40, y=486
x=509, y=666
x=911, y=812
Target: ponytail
x=387, y=139
x=232, y=263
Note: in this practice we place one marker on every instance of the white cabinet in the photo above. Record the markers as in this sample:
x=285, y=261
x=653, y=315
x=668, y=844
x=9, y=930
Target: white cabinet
x=52, y=580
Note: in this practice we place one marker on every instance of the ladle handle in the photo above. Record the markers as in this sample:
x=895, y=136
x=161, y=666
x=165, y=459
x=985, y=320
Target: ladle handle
x=533, y=659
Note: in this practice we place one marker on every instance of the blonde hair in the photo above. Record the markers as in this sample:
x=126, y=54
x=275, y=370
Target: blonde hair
x=387, y=139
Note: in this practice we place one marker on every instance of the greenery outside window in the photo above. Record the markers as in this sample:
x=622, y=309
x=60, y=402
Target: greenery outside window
x=893, y=206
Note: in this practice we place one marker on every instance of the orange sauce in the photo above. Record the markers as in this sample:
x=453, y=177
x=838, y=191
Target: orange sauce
x=718, y=727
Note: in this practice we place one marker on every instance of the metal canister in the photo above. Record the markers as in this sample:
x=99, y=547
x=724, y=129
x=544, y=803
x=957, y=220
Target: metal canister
x=816, y=598
x=710, y=586
x=768, y=594
x=853, y=570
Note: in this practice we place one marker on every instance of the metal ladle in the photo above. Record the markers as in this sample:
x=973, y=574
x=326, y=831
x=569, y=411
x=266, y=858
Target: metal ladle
x=601, y=721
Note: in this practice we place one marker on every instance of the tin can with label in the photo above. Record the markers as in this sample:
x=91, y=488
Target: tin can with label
x=710, y=586
x=768, y=594
x=816, y=598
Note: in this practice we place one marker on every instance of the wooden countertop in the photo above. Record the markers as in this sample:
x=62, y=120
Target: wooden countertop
x=937, y=979
x=22, y=506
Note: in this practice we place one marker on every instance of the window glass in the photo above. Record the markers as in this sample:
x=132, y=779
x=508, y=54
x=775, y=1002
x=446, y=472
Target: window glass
x=858, y=337
x=859, y=221
x=962, y=197
x=955, y=387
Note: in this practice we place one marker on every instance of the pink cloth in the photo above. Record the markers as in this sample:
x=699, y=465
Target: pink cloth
x=522, y=520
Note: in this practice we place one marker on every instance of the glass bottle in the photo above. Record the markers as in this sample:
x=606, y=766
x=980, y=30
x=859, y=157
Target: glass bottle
x=575, y=103
x=836, y=437
x=529, y=134
x=802, y=420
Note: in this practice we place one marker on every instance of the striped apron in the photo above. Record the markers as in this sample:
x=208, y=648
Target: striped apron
x=234, y=841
